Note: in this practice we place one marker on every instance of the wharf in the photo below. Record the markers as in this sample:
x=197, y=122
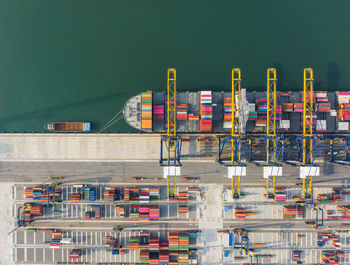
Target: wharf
x=93, y=147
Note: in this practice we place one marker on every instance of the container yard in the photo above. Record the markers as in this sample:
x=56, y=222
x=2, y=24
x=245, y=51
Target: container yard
x=139, y=213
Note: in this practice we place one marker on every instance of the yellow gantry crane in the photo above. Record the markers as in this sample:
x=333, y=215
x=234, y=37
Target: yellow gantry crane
x=231, y=148
x=307, y=158
x=236, y=126
x=170, y=158
x=271, y=102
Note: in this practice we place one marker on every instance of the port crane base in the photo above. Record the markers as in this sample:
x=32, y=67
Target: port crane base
x=309, y=171
x=236, y=171
x=171, y=171
x=272, y=171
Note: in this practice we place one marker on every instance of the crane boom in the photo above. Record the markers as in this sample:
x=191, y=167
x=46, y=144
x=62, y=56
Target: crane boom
x=171, y=102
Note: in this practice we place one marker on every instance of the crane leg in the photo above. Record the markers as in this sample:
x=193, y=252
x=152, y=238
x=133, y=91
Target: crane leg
x=267, y=187
x=310, y=185
x=232, y=187
x=239, y=185
x=274, y=185
x=167, y=186
x=303, y=188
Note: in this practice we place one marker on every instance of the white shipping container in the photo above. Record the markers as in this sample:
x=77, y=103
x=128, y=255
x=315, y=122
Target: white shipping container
x=66, y=240
x=227, y=125
x=205, y=92
x=343, y=126
x=321, y=125
x=251, y=106
x=284, y=124
x=321, y=95
x=333, y=113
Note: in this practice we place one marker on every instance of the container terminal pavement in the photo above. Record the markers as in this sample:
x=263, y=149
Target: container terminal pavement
x=110, y=160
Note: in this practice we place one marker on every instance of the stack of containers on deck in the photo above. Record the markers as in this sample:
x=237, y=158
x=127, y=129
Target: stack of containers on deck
x=97, y=211
x=242, y=213
x=134, y=195
x=121, y=210
x=183, y=248
x=75, y=197
x=164, y=256
x=253, y=114
x=337, y=194
x=288, y=107
x=322, y=106
x=344, y=110
x=206, y=110
x=89, y=193
x=322, y=238
x=290, y=212
x=154, y=257
x=280, y=196
x=109, y=242
x=146, y=111
x=298, y=107
x=193, y=189
x=278, y=112
x=134, y=243
x=75, y=254
x=28, y=194
x=192, y=117
x=345, y=210
x=182, y=209
x=182, y=196
x=111, y=194
x=126, y=194
x=144, y=213
x=154, y=212
x=158, y=112
x=181, y=110
x=144, y=256
x=134, y=212
x=56, y=239
x=262, y=112
x=154, y=243
x=144, y=239
x=227, y=112
x=144, y=195
x=346, y=116
x=329, y=257
x=173, y=241
x=322, y=198
x=154, y=194
x=36, y=210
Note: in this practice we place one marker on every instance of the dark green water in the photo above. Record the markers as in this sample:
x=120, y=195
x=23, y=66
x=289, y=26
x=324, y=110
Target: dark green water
x=64, y=60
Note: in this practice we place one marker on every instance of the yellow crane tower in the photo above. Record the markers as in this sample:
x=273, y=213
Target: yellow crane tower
x=232, y=148
x=170, y=158
x=236, y=126
x=308, y=94
x=271, y=100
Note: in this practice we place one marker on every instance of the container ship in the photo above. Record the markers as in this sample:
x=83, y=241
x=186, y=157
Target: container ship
x=69, y=127
x=210, y=112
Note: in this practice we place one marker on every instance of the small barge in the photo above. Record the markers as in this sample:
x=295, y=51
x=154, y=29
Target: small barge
x=69, y=127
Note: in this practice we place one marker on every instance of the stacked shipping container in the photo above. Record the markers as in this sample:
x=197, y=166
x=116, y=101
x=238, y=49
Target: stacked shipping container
x=158, y=112
x=206, y=111
x=146, y=111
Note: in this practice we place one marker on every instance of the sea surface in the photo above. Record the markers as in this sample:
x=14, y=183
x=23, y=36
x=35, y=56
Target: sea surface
x=64, y=60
